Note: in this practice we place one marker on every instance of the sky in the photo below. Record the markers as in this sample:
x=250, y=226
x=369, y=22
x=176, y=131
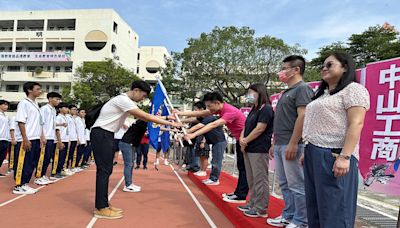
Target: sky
x=170, y=23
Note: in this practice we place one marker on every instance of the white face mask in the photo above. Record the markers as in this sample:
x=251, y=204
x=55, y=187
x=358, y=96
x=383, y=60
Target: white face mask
x=250, y=99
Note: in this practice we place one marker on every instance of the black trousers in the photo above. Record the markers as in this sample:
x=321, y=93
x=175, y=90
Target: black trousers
x=242, y=187
x=103, y=144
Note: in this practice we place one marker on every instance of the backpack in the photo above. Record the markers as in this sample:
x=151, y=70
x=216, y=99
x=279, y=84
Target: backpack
x=93, y=114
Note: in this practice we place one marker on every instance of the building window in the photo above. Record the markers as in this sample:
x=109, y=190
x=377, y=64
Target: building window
x=113, y=48
x=12, y=88
x=68, y=69
x=137, y=70
x=115, y=27
x=49, y=68
x=56, y=88
x=58, y=69
x=31, y=68
x=47, y=88
x=14, y=68
x=138, y=56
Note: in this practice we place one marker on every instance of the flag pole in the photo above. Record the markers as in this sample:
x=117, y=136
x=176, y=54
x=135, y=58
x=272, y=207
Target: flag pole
x=169, y=112
x=170, y=104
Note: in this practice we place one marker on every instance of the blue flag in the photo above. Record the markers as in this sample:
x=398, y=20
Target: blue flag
x=165, y=139
x=158, y=108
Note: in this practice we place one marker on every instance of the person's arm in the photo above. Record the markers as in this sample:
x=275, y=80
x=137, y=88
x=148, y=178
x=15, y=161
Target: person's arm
x=138, y=113
x=257, y=131
x=169, y=129
x=207, y=128
x=12, y=136
x=355, y=117
x=201, y=113
x=195, y=128
x=190, y=120
x=291, y=149
x=60, y=145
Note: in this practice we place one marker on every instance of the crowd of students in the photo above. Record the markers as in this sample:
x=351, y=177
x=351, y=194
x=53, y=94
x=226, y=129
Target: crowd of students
x=39, y=136
x=313, y=138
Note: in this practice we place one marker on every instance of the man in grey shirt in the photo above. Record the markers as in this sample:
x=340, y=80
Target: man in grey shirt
x=288, y=146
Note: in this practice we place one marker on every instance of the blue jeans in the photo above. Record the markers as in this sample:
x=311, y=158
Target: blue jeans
x=193, y=160
x=142, y=150
x=331, y=201
x=291, y=181
x=127, y=155
x=218, y=150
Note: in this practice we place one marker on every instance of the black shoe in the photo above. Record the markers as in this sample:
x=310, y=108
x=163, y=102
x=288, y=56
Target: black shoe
x=137, y=167
x=144, y=167
x=234, y=199
x=2, y=175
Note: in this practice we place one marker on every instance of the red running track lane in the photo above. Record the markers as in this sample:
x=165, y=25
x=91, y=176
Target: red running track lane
x=163, y=202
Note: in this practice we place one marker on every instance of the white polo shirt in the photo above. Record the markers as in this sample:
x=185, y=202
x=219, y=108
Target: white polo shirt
x=4, y=127
x=14, y=126
x=28, y=112
x=73, y=135
x=49, y=116
x=61, y=119
x=87, y=134
x=114, y=113
x=80, y=128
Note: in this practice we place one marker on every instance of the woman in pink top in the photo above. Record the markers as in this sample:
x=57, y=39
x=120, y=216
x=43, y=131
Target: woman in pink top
x=234, y=119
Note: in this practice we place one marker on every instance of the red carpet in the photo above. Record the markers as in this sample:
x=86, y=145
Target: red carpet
x=227, y=185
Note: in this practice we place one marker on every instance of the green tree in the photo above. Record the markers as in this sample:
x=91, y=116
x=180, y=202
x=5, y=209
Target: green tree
x=228, y=60
x=325, y=51
x=374, y=44
x=97, y=82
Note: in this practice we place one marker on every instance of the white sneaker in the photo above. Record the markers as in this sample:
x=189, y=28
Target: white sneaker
x=131, y=188
x=292, y=225
x=28, y=188
x=68, y=172
x=166, y=162
x=5, y=161
x=40, y=181
x=47, y=179
x=200, y=173
x=278, y=221
x=157, y=162
x=210, y=182
x=21, y=191
x=183, y=166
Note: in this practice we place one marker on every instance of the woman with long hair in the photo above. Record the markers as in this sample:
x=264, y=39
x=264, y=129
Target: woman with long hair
x=332, y=128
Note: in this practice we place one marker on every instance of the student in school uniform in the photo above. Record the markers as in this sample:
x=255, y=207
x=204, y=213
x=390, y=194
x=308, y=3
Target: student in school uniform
x=49, y=128
x=63, y=140
x=30, y=123
x=80, y=129
x=15, y=144
x=73, y=139
x=4, y=132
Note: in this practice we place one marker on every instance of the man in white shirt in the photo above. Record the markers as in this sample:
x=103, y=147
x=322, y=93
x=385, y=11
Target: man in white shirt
x=49, y=128
x=111, y=118
x=30, y=123
x=16, y=141
x=62, y=139
x=4, y=132
x=80, y=129
x=73, y=138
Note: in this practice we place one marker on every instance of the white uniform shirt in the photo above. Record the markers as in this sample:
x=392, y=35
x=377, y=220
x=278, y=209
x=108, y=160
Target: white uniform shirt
x=114, y=113
x=28, y=112
x=14, y=126
x=49, y=116
x=80, y=128
x=73, y=134
x=4, y=127
x=61, y=119
x=87, y=134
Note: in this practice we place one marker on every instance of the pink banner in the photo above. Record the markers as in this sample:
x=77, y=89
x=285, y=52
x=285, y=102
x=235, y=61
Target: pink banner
x=380, y=138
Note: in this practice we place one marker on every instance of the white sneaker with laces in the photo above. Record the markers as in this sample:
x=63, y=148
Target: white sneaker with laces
x=200, y=173
x=157, y=162
x=130, y=188
x=278, y=221
x=166, y=162
x=210, y=182
x=27, y=188
x=40, y=181
x=21, y=191
x=292, y=225
x=135, y=186
x=48, y=180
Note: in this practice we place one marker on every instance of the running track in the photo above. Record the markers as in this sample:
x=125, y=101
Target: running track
x=163, y=201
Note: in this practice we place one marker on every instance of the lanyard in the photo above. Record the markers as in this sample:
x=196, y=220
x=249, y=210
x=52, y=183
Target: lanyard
x=37, y=108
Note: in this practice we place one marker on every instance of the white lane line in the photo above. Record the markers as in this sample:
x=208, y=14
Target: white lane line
x=206, y=216
x=94, y=219
x=379, y=212
x=18, y=197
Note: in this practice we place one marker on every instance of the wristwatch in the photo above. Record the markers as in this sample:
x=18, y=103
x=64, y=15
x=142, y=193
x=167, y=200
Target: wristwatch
x=346, y=157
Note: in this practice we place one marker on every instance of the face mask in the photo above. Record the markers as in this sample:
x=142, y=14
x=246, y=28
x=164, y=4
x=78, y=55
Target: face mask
x=283, y=77
x=250, y=99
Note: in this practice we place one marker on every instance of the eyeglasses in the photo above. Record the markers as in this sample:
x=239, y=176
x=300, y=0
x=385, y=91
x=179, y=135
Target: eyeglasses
x=328, y=65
